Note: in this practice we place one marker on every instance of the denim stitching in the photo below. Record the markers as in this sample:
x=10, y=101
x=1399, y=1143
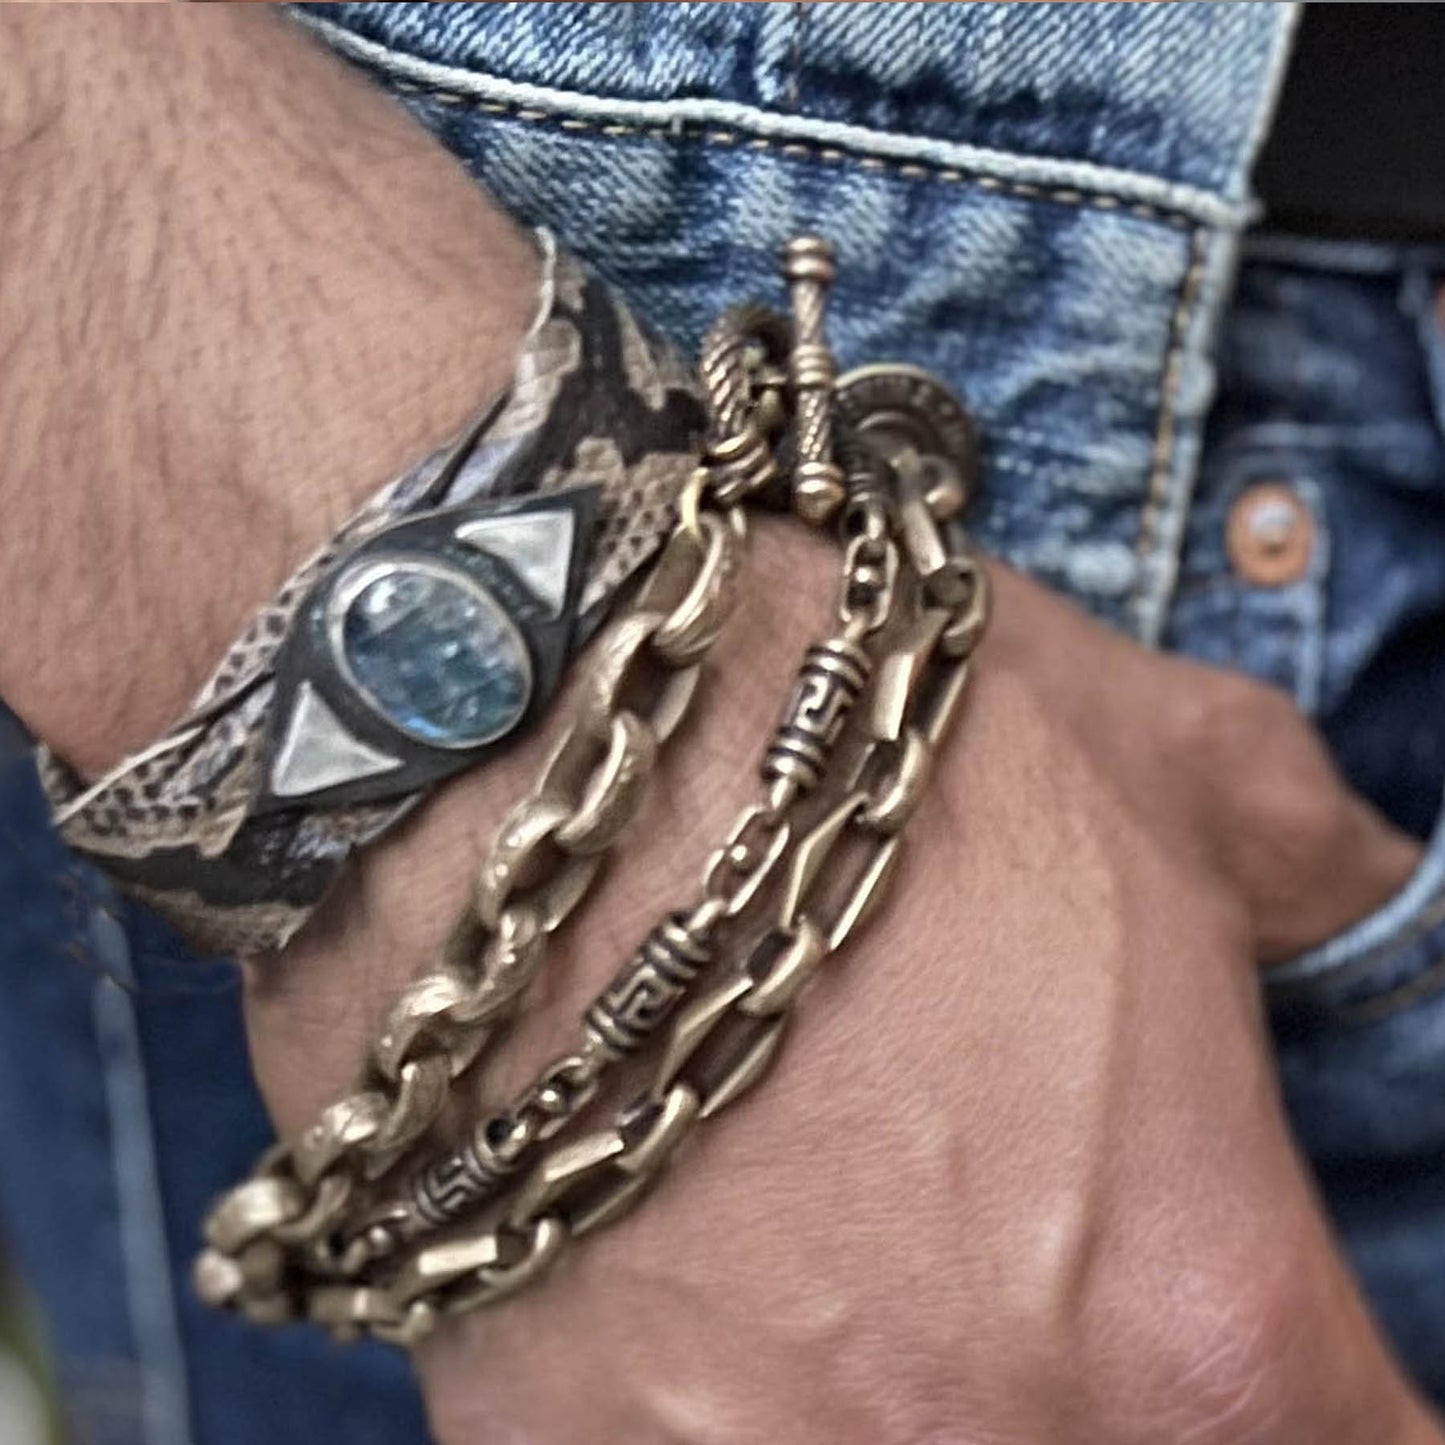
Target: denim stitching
x=437, y=90
x=1105, y=187
x=798, y=150
x=1164, y=197
x=1162, y=456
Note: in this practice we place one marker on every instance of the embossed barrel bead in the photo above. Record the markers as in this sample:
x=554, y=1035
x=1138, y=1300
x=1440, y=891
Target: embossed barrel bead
x=867, y=480
x=648, y=987
x=818, y=489
x=475, y=1173
x=830, y=680
x=471, y=1174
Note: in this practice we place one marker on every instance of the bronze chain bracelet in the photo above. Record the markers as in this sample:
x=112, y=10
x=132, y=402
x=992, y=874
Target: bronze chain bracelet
x=335, y=1227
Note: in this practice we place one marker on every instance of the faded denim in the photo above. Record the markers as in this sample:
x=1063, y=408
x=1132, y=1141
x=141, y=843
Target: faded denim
x=1331, y=370
x=1044, y=204
x=1039, y=203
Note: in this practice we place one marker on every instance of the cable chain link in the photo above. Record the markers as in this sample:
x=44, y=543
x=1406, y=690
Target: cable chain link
x=797, y=874
x=635, y=688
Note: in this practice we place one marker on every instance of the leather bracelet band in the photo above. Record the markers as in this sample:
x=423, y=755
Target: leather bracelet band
x=429, y=632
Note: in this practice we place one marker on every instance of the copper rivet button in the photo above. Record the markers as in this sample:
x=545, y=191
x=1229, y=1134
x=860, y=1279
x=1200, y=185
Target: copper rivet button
x=1270, y=535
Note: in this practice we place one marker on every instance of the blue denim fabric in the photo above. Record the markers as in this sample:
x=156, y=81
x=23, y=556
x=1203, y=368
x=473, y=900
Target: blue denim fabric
x=126, y=1106
x=1331, y=365
x=1043, y=210
x=1041, y=203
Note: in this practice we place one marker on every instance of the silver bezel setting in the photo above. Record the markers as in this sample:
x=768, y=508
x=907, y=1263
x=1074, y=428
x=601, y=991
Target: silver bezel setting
x=374, y=569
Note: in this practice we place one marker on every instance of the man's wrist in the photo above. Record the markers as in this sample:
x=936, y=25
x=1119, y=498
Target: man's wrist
x=219, y=362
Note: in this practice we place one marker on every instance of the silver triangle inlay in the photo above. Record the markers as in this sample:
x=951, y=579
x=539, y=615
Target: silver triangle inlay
x=318, y=752
x=536, y=545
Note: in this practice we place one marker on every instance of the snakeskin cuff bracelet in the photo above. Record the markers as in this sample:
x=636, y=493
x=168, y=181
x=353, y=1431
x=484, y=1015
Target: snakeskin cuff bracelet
x=429, y=632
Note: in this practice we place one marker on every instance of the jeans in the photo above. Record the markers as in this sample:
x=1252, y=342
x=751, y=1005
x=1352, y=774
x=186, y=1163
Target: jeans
x=1048, y=206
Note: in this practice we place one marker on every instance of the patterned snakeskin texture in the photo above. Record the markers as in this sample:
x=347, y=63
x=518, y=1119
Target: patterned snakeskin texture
x=595, y=399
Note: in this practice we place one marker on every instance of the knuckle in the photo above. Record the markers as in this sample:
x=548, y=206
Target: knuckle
x=1278, y=779
x=1218, y=1354
x=1220, y=720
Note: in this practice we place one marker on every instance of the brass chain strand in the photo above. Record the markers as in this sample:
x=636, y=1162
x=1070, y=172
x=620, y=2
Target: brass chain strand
x=649, y=986
x=652, y=982
x=304, y=1236
x=635, y=687
x=724, y=1040
x=658, y=976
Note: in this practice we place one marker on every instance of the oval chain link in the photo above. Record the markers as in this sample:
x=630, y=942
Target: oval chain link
x=538, y=869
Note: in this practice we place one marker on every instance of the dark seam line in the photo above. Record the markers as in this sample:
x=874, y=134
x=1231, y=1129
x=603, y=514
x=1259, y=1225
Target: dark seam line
x=795, y=54
x=1296, y=998
x=1417, y=989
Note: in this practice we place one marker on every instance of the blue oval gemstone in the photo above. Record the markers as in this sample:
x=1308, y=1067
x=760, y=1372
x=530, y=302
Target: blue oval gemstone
x=437, y=657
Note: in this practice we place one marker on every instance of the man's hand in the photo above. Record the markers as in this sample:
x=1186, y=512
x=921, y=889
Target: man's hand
x=1021, y=1173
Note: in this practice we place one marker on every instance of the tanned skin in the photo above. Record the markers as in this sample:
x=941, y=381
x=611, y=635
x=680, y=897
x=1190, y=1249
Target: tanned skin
x=1022, y=1175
